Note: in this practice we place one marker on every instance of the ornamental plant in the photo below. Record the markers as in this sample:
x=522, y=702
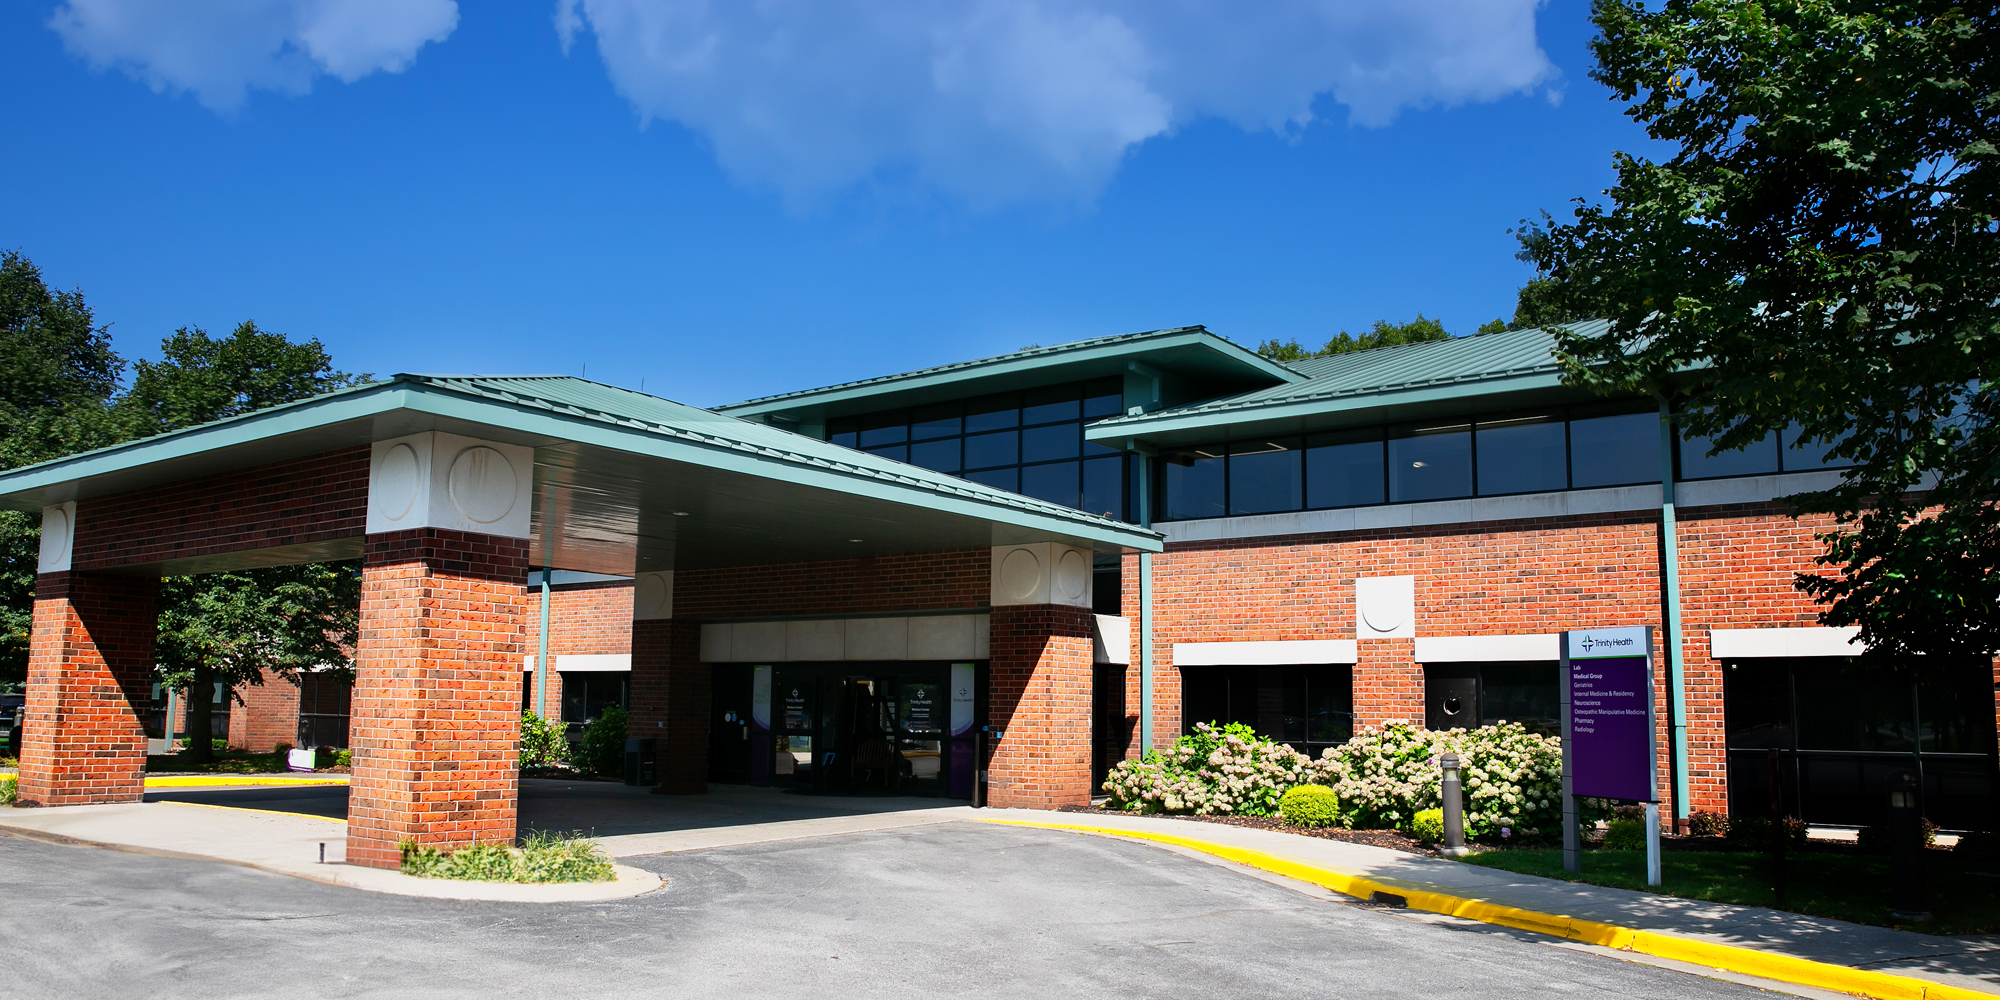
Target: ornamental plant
x=1511, y=778
x=544, y=742
x=1227, y=770
x=1310, y=806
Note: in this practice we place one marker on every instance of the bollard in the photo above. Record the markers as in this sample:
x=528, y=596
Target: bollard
x=979, y=768
x=1906, y=845
x=1454, y=809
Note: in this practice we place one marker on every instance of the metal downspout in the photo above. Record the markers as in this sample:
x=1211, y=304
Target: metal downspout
x=1145, y=610
x=1671, y=560
x=542, y=655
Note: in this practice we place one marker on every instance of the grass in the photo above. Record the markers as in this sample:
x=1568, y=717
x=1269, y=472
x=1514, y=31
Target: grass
x=543, y=857
x=225, y=762
x=1837, y=882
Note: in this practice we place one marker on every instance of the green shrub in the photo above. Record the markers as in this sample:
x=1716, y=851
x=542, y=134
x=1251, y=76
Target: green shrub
x=1983, y=847
x=1512, y=779
x=1310, y=805
x=1428, y=825
x=7, y=787
x=343, y=758
x=543, y=857
x=1875, y=839
x=1625, y=834
x=1215, y=769
x=1703, y=823
x=1753, y=833
x=279, y=750
x=603, y=749
x=544, y=742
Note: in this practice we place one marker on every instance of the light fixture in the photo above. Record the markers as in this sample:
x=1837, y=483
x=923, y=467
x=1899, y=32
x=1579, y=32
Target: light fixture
x=680, y=513
x=854, y=539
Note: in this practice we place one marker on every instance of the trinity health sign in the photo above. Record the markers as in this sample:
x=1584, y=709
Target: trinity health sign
x=1607, y=711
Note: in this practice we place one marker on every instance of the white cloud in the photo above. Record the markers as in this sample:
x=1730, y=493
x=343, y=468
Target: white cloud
x=219, y=49
x=1007, y=101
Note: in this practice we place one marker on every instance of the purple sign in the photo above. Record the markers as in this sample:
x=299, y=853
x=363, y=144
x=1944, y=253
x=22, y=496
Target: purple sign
x=1609, y=725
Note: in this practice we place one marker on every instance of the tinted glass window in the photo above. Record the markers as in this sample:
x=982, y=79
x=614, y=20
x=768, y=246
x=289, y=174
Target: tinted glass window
x=1521, y=692
x=1430, y=463
x=991, y=413
x=884, y=429
x=1047, y=405
x=899, y=452
x=1614, y=451
x=1104, y=487
x=1264, y=476
x=1008, y=479
x=1099, y=407
x=1344, y=470
x=1524, y=455
x=1192, y=485
x=1100, y=448
x=982, y=450
x=1842, y=706
x=1757, y=704
x=843, y=431
x=939, y=455
x=1041, y=444
x=1757, y=459
x=845, y=439
x=1055, y=483
x=1809, y=457
x=1955, y=709
x=934, y=421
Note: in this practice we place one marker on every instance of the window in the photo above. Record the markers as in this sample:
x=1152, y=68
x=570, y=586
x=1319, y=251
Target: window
x=941, y=420
x=1759, y=458
x=1264, y=476
x=885, y=428
x=1193, y=484
x=991, y=413
x=1805, y=456
x=1345, y=469
x=1522, y=455
x=1430, y=463
x=1617, y=450
x=940, y=456
x=1049, y=404
x=1104, y=487
x=988, y=450
x=1309, y=707
x=1470, y=695
x=1055, y=482
x=1056, y=441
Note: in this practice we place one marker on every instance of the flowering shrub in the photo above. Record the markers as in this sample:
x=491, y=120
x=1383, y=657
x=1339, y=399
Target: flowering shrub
x=1230, y=770
x=1512, y=778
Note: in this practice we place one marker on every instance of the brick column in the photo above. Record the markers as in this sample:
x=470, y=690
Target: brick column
x=670, y=702
x=1039, y=696
x=1388, y=683
x=90, y=673
x=436, y=723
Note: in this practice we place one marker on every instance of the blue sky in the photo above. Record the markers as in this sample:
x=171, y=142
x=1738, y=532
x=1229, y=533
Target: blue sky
x=794, y=194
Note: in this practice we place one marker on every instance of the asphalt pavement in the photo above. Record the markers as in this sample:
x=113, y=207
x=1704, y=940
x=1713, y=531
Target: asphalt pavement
x=935, y=910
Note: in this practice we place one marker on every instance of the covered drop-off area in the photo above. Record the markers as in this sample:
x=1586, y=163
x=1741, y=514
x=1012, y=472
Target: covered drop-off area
x=753, y=549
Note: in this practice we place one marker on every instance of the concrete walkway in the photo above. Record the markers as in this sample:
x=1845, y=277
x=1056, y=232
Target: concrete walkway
x=1971, y=963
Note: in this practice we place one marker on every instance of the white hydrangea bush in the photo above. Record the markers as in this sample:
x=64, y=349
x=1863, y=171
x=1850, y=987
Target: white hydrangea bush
x=1228, y=771
x=1512, y=778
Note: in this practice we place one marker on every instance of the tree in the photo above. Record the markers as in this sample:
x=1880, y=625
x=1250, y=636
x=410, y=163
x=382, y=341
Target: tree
x=1382, y=334
x=1819, y=256
x=200, y=378
x=57, y=374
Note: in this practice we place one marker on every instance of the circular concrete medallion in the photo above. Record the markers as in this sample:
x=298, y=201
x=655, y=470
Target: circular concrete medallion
x=1072, y=575
x=1382, y=614
x=651, y=596
x=55, y=529
x=482, y=484
x=394, y=491
x=1020, y=574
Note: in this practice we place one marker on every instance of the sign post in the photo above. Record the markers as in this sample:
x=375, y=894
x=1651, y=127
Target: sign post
x=1608, y=732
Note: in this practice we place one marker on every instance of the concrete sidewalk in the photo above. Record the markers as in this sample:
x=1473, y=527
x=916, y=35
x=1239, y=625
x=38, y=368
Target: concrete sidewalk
x=1968, y=963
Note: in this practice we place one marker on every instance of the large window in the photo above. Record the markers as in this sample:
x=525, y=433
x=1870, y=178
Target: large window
x=1309, y=707
x=1024, y=442
x=1471, y=695
x=1841, y=730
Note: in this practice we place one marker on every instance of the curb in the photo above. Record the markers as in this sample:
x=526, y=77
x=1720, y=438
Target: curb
x=226, y=780
x=1420, y=896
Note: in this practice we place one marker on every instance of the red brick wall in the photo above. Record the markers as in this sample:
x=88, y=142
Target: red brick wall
x=1039, y=697
x=90, y=660
x=583, y=618
x=267, y=716
x=315, y=499
x=670, y=702
x=923, y=582
x=435, y=725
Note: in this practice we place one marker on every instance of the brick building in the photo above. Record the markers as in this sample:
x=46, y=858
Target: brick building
x=1080, y=550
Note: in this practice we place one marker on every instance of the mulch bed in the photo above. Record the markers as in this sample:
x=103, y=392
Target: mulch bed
x=1392, y=839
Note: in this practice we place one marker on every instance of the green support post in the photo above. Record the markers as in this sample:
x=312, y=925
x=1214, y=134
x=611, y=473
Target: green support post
x=1671, y=560
x=542, y=656
x=1145, y=610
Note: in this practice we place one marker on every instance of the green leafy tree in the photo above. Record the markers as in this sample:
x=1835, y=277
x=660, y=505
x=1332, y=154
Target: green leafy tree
x=1819, y=254
x=201, y=378
x=1382, y=334
x=244, y=628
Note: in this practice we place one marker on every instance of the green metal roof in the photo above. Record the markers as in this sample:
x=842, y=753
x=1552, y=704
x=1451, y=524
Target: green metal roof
x=1190, y=352
x=618, y=463
x=1432, y=375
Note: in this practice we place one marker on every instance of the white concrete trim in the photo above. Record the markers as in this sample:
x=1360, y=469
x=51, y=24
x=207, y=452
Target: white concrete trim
x=58, y=538
x=1110, y=639
x=1566, y=503
x=1487, y=648
x=440, y=480
x=580, y=662
x=1041, y=573
x=653, y=596
x=1762, y=643
x=1258, y=654
x=889, y=638
x=1385, y=607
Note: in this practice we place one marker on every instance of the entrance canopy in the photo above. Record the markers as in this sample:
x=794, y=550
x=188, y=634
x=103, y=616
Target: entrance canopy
x=622, y=482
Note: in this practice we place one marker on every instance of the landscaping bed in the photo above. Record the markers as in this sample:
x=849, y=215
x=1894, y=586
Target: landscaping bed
x=1395, y=840
x=1823, y=879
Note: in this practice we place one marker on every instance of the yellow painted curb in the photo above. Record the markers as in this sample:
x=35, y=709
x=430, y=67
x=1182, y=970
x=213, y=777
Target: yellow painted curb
x=222, y=780
x=272, y=812
x=1722, y=957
